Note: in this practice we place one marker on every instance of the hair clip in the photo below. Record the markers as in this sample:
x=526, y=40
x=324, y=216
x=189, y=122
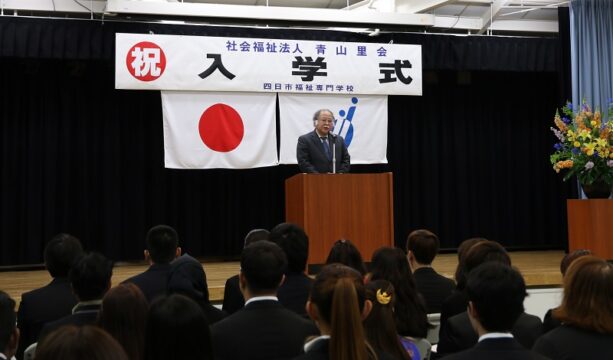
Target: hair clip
x=383, y=298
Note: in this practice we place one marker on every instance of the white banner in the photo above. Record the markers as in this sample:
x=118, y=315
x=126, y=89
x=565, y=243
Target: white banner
x=173, y=62
x=219, y=130
x=360, y=119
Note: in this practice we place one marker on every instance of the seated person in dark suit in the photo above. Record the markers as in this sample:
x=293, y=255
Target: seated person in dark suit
x=586, y=314
x=162, y=248
x=263, y=329
x=187, y=277
x=9, y=334
x=316, y=149
x=294, y=292
x=550, y=322
x=54, y=300
x=90, y=278
x=232, y=297
x=496, y=294
x=479, y=253
x=422, y=247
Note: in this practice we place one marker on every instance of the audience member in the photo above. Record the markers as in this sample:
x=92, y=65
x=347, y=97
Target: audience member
x=90, y=277
x=232, y=297
x=9, y=334
x=187, y=277
x=294, y=291
x=476, y=251
x=422, y=247
x=410, y=311
x=344, y=252
x=177, y=330
x=380, y=326
x=72, y=342
x=162, y=248
x=550, y=322
x=54, y=300
x=458, y=334
x=265, y=328
x=123, y=315
x=338, y=305
x=496, y=294
x=586, y=314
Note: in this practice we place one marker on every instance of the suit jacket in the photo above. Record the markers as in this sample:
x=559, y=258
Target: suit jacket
x=567, y=342
x=459, y=334
x=261, y=330
x=233, y=299
x=153, y=282
x=433, y=287
x=40, y=306
x=313, y=159
x=81, y=315
x=320, y=351
x=496, y=349
x=294, y=292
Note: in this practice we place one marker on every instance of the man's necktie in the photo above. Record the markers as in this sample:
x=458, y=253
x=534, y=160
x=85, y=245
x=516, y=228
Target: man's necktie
x=326, y=145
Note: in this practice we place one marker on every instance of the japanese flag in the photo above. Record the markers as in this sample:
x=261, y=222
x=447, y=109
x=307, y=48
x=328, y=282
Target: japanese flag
x=204, y=130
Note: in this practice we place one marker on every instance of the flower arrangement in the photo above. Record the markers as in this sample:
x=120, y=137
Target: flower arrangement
x=585, y=146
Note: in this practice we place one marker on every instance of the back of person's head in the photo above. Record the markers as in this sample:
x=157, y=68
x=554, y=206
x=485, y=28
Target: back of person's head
x=391, y=264
x=162, y=244
x=294, y=242
x=460, y=275
x=256, y=235
x=60, y=253
x=263, y=264
x=79, y=342
x=339, y=297
x=570, y=257
x=345, y=252
x=8, y=320
x=187, y=277
x=90, y=276
x=424, y=246
x=177, y=329
x=123, y=315
x=379, y=325
x=588, y=290
x=497, y=293
x=485, y=251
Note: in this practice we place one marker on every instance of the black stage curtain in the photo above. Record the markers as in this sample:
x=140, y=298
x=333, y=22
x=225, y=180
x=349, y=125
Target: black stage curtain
x=470, y=157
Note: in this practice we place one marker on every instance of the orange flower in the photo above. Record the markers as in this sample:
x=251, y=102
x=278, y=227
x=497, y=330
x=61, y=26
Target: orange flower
x=565, y=164
x=559, y=123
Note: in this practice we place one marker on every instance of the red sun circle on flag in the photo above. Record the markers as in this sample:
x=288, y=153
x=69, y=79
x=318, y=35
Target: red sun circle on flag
x=146, y=61
x=221, y=128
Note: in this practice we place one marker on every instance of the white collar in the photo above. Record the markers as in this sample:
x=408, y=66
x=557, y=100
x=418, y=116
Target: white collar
x=261, y=298
x=496, y=335
x=86, y=303
x=312, y=342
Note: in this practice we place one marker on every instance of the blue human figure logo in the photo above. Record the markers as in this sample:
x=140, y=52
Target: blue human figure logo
x=346, y=126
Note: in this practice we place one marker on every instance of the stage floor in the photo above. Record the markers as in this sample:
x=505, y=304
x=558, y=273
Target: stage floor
x=540, y=269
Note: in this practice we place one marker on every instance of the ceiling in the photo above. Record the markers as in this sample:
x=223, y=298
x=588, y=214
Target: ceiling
x=506, y=17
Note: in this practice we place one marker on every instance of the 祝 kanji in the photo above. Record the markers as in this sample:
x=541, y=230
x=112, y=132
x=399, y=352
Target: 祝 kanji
x=146, y=61
x=216, y=65
x=309, y=68
x=388, y=70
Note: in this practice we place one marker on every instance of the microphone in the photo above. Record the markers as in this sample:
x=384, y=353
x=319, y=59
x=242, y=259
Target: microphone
x=333, y=135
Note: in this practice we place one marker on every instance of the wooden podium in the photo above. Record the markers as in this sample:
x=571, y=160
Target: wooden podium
x=358, y=207
x=590, y=226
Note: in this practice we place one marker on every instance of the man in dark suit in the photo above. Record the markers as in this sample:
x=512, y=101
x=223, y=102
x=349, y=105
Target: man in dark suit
x=54, y=300
x=162, y=248
x=496, y=294
x=9, y=334
x=90, y=278
x=263, y=329
x=422, y=247
x=232, y=297
x=317, y=148
x=294, y=292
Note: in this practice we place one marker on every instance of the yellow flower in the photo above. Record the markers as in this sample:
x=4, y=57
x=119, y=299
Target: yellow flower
x=577, y=144
x=593, y=123
x=589, y=148
x=585, y=134
x=601, y=142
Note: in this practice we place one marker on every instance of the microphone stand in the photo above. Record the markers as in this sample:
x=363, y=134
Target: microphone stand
x=333, y=154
